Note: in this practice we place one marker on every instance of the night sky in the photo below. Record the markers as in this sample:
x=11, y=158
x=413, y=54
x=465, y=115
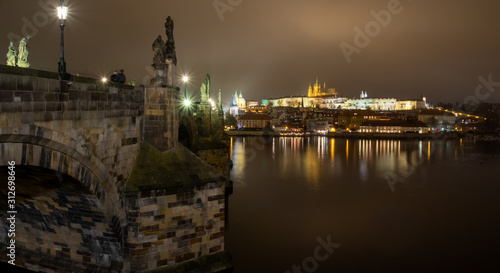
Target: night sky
x=276, y=48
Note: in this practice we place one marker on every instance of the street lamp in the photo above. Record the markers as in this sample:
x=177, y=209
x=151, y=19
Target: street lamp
x=185, y=79
x=62, y=13
x=186, y=102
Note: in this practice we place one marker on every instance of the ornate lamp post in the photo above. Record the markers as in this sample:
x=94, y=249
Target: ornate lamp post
x=62, y=13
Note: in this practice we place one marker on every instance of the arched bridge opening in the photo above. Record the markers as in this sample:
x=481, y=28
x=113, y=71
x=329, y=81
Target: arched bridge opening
x=60, y=225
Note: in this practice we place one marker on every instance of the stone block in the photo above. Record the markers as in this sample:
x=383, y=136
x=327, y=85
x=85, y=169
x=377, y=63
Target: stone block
x=95, y=96
x=215, y=249
x=216, y=235
x=72, y=106
x=40, y=84
x=24, y=95
x=25, y=83
x=12, y=107
x=27, y=117
x=82, y=105
x=52, y=96
x=184, y=257
x=27, y=106
x=73, y=95
x=8, y=82
x=38, y=106
x=57, y=115
x=53, y=106
x=54, y=86
x=92, y=105
x=38, y=96
x=6, y=96
x=162, y=262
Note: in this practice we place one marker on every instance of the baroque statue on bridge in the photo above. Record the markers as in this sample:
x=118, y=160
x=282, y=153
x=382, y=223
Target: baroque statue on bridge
x=11, y=55
x=169, y=30
x=23, y=52
x=205, y=90
x=165, y=58
x=160, y=48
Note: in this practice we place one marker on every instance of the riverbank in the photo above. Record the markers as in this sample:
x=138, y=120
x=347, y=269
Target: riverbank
x=352, y=135
x=358, y=135
x=399, y=136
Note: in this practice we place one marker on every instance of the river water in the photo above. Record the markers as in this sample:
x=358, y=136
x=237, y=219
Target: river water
x=339, y=205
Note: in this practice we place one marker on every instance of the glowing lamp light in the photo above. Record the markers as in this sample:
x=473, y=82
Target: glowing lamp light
x=104, y=80
x=187, y=102
x=62, y=12
x=185, y=79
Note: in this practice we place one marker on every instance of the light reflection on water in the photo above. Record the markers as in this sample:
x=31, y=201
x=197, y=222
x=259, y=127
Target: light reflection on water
x=289, y=191
x=305, y=157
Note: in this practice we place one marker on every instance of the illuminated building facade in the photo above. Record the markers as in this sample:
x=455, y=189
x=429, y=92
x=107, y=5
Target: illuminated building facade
x=352, y=119
x=403, y=104
x=378, y=104
x=438, y=120
x=254, y=121
x=393, y=126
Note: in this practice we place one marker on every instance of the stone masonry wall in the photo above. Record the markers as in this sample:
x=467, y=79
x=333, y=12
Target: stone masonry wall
x=169, y=228
x=161, y=126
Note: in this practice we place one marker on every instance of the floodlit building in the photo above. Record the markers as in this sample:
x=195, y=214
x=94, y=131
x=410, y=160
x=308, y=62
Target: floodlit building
x=405, y=104
x=393, y=126
x=437, y=120
x=254, y=121
x=365, y=103
x=352, y=119
x=317, y=97
x=318, y=91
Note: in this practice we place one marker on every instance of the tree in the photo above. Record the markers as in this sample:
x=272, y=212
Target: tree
x=230, y=120
x=432, y=121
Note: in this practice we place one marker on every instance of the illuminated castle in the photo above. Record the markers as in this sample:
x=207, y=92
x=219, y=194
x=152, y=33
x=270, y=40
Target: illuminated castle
x=317, y=91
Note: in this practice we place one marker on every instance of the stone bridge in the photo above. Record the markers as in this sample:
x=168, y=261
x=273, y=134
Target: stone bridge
x=102, y=183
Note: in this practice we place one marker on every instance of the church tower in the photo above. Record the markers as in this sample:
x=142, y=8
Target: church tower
x=241, y=101
x=317, y=88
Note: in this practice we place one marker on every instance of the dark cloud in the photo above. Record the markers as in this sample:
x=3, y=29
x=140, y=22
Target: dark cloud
x=275, y=48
